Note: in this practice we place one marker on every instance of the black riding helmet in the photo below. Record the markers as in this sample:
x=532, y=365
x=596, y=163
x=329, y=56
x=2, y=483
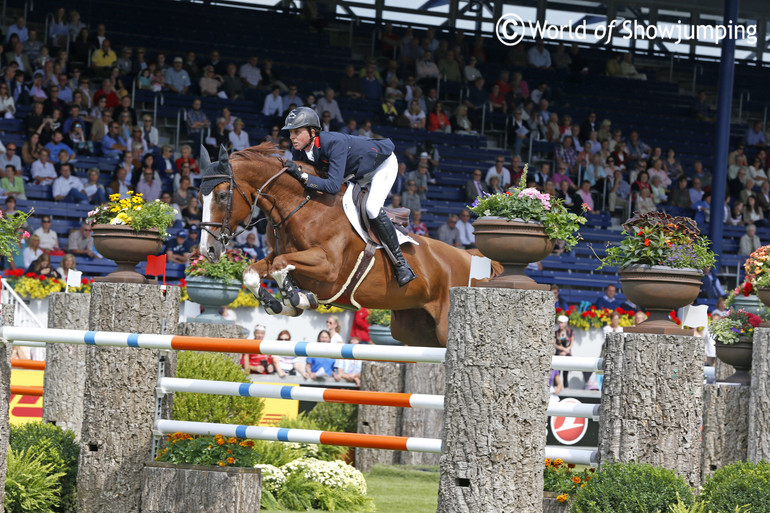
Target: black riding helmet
x=302, y=117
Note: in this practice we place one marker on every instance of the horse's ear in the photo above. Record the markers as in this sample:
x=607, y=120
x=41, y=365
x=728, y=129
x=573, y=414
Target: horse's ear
x=205, y=158
x=223, y=153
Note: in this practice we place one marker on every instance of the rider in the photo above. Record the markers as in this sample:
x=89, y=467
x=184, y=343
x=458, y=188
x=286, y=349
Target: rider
x=368, y=160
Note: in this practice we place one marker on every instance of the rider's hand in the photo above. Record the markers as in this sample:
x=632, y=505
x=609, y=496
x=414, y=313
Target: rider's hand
x=294, y=170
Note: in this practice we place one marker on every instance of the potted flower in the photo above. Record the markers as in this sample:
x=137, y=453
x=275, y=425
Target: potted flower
x=561, y=482
x=734, y=336
x=128, y=230
x=519, y=227
x=379, y=328
x=757, y=270
x=660, y=261
x=215, y=284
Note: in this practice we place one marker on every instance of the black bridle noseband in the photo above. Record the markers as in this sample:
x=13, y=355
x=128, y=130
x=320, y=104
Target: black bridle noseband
x=225, y=234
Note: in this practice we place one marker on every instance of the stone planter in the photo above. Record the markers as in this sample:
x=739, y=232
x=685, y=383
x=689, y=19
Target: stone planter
x=551, y=505
x=739, y=355
x=381, y=336
x=168, y=488
x=127, y=248
x=751, y=303
x=658, y=290
x=515, y=244
x=211, y=293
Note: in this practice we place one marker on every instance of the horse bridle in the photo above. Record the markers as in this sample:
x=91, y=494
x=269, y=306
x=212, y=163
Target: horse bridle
x=225, y=234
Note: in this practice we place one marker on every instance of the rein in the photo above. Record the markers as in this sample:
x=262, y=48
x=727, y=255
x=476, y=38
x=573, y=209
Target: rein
x=225, y=235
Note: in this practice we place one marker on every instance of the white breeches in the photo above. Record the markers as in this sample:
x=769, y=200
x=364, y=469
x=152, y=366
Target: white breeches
x=382, y=181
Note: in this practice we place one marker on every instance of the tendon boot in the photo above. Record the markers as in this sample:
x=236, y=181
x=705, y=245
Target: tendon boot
x=291, y=291
x=387, y=234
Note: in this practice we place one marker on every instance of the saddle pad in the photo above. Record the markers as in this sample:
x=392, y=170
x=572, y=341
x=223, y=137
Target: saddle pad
x=350, y=211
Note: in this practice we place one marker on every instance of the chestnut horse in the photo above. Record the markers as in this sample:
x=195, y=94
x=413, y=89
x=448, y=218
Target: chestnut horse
x=316, y=238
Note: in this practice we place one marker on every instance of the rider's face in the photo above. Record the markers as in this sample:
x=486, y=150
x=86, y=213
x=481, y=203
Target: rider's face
x=300, y=137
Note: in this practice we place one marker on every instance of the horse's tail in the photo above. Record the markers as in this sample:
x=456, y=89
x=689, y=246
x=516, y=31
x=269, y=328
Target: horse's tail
x=497, y=267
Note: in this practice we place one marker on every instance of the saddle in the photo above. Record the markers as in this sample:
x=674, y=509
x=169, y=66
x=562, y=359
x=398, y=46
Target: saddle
x=398, y=216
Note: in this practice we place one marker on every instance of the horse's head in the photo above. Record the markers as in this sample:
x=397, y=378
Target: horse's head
x=223, y=209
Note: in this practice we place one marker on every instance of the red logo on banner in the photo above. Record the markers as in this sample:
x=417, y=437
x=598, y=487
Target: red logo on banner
x=569, y=430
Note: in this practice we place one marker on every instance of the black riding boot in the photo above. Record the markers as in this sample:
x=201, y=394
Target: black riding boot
x=387, y=234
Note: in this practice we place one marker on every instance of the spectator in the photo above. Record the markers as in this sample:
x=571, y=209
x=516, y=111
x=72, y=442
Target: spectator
x=113, y=144
x=57, y=145
x=410, y=199
x=370, y=87
x=183, y=193
x=288, y=365
x=538, y=56
x=177, y=79
x=149, y=132
x=251, y=249
x=753, y=212
x=500, y=171
x=43, y=171
x=562, y=175
x=711, y=287
x=350, y=84
x=257, y=363
x=10, y=157
x=586, y=198
x=250, y=73
x=609, y=299
x=703, y=209
x=420, y=177
x=238, y=137
x=19, y=28
x=348, y=370
x=328, y=103
x=613, y=327
x=320, y=367
x=273, y=104
x=177, y=249
x=755, y=136
x=33, y=251
x=66, y=265
x=680, y=196
x=68, y=188
x=465, y=227
x=388, y=115
x=637, y=149
x=7, y=103
x=333, y=325
x=81, y=242
x=13, y=184
x=470, y=72
x=197, y=122
x=148, y=186
x=232, y=85
x=477, y=97
x=739, y=184
x=32, y=149
x=558, y=301
x=415, y=115
x=659, y=193
x=21, y=59
x=566, y=153
x=449, y=233
x=94, y=190
x=749, y=242
x=426, y=71
x=192, y=213
x=209, y=83
x=460, y=122
x=417, y=227
x=43, y=267
x=594, y=172
x=49, y=239
x=475, y=187
x=736, y=214
x=103, y=59
x=700, y=108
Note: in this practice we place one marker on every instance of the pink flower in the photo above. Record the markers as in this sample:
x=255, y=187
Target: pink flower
x=25, y=235
x=586, y=207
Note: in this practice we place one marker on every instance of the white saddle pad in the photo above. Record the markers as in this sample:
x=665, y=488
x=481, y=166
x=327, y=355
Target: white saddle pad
x=350, y=210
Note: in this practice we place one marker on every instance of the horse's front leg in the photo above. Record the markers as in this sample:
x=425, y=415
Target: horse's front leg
x=252, y=280
x=312, y=264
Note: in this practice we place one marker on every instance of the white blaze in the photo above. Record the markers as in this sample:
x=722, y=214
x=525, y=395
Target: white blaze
x=204, y=243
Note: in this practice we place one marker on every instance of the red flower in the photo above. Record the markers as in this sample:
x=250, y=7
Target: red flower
x=592, y=314
x=593, y=307
x=584, y=314
x=558, y=310
x=83, y=281
x=747, y=288
x=41, y=277
x=30, y=275
x=619, y=310
x=508, y=193
x=646, y=242
x=754, y=320
x=674, y=318
x=183, y=282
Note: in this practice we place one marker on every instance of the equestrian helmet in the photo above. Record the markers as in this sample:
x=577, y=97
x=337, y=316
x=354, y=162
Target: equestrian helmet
x=302, y=117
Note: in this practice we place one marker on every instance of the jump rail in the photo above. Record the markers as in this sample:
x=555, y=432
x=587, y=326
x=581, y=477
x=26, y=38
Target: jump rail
x=17, y=363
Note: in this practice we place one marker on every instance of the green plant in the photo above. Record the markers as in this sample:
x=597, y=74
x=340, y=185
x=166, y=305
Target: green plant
x=564, y=479
x=379, y=317
x=737, y=324
x=657, y=238
x=335, y=416
x=529, y=204
x=31, y=484
x=214, y=408
x=208, y=450
x=55, y=447
x=11, y=231
x=135, y=212
x=325, y=485
x=739, y=484
x=631, y=488
x=229, y=267
x=701, y=507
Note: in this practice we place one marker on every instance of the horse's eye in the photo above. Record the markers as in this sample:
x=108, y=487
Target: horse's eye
x=223, y=196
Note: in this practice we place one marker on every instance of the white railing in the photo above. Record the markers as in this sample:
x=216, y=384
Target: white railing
x=23, y=316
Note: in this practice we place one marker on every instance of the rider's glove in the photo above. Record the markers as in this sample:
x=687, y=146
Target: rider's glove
x=296, y=171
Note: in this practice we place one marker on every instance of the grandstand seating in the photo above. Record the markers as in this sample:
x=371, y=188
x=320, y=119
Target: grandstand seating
x=304, y=57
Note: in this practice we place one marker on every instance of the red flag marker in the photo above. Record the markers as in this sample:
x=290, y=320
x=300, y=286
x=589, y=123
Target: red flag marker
x=156, y=265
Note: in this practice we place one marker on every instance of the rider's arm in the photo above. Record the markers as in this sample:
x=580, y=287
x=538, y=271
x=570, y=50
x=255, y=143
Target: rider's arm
x=338, y=156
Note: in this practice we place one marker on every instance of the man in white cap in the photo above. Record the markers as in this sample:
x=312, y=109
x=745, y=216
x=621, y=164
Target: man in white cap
x=177, y=79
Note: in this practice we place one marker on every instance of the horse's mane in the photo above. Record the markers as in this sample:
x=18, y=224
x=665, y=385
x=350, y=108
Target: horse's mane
x=261, y=153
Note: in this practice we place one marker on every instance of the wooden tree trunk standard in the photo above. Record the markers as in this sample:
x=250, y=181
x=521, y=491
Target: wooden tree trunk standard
x=722, y=370
x=6, y=319
x=498, y=359
x=65, y=374
x=119, y=405
x=379, y=420
x=725, y=426
x=185, y=488
x=759, y=405
x=422, y=378
x=207, y=329
x=652, y=402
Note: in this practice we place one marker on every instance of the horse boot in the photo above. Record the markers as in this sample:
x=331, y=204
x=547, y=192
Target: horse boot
x=387, y=234
x=291, y=291
x=271, y=304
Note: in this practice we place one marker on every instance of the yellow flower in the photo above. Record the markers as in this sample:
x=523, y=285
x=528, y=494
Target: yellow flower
x=221, y=463
x=562, y=498
x=557, y=462
x=231, y=460
x=131, y=192
x=547, y=461
x=114, y=197
x=232, y=440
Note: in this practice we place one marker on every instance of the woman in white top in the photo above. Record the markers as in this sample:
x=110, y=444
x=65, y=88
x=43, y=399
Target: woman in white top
x=66, y=265
x=333, y=325
x=32, y=251
x=288, y=365
x=238, y=137
x=415, y=115
x=614, y=326
x=470, y=72
x=7, y=105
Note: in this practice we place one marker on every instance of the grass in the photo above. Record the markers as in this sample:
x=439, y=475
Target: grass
x=400, y=489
